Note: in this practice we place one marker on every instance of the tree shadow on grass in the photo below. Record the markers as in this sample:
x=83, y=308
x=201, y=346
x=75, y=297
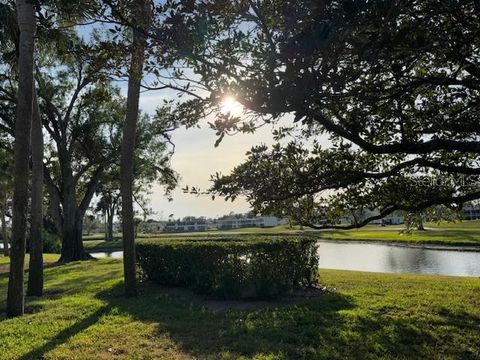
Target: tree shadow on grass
x=328, y=327
x=66, y=334
x=281, y=328
x=60, y=281
x=284, y=330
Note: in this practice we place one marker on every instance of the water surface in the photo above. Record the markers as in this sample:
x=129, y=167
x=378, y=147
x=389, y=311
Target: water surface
x=387, y=258
x=397, y=259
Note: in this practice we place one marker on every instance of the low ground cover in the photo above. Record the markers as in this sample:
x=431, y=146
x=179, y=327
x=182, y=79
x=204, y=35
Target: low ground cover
x=363, y=315
x=47, y=259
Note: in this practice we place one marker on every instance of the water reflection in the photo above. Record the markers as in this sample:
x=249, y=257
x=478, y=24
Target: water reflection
x=385, y=258
x=113, y=255
x=398, y=259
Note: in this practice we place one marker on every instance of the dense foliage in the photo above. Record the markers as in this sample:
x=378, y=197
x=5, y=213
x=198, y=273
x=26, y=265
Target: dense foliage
x=256, y=268
x=372, y=101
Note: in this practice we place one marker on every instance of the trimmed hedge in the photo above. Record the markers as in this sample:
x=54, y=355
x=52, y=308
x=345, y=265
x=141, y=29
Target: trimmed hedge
x=262, y=268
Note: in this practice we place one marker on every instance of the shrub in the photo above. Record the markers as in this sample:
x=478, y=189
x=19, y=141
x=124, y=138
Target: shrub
x=259, y=268
x=51, y=243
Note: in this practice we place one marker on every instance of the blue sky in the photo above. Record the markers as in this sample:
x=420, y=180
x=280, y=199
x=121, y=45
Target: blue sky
x=195, y=159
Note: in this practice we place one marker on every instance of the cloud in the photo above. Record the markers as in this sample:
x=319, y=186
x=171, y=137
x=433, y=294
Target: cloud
x=196, y=159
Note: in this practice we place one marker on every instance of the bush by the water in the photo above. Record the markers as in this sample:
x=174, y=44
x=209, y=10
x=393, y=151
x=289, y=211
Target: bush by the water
x=231, y=269
x=51, y=243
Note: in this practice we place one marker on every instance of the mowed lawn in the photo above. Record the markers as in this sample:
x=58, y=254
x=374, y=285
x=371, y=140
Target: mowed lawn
x=465, y=233
x=365, y=316
x=47, y=259
x=446, y=233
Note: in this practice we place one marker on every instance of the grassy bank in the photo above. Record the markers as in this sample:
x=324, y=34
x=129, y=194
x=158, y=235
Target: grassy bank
x=440, y=235
x=84, y=316
x=465, y=233
x=47, y=259
x=102, y=245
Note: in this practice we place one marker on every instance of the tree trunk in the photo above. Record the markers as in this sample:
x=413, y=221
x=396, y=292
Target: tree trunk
x=110, y=225
x=142, y=15
x=67, y=213
x=420, y=226
x=35, y=270
x=26, y=25
x=3, y=211
x=72, y=245
x=105, y=231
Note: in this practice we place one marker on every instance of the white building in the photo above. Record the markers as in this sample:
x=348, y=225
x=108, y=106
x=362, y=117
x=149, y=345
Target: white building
x=471, y=212
x=185, y=226
x=258, y=221
x=152, y=226
x=395, y=218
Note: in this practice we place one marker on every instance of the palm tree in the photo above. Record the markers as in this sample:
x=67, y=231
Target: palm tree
x=9, y=37
x=35, y=272
x=27, y=27
x=6, y=189
x=142, y=9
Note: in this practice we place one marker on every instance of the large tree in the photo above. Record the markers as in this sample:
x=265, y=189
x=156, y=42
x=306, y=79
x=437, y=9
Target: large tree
x=383, y=107
x=81, y=114
x=26, y=25
x=141, y=17
x=151, y=165
x=9, y=39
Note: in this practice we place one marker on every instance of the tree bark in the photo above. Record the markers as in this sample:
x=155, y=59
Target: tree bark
x=27, y=26
x=3, y=212
x=66, y=211
x=69, y=208
x=420, y=226
x=105, y=231
x=72, y=244
x=142, y=17
x=110, y=213
x=72, y=220
x=35, y=270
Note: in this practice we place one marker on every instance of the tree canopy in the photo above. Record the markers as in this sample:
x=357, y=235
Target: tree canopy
x=381, y=108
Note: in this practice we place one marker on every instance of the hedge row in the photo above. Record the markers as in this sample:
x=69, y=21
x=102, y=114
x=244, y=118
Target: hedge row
x=263, y=268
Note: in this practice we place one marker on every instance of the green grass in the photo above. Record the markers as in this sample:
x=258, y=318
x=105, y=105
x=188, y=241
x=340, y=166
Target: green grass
x=47, y=258
x=369, y=316
x=102, y=245
x=465, y=233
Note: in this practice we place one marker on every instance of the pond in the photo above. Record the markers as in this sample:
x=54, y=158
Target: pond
x=387, y=258
x=398, y=259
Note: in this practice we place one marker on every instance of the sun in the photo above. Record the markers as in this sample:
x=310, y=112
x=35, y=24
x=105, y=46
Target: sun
x=230, y=106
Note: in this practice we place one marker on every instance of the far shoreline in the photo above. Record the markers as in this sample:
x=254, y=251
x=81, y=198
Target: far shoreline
x=101, y=245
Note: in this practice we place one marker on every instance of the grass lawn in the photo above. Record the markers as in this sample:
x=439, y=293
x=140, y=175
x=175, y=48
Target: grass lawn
x=47, y=258
x=465, y=233
x=102, y=245
x=442, y=235
x=369, y=316
x=460, y=233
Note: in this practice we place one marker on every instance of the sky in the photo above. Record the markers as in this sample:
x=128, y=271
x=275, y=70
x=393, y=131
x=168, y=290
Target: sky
x=195, y=159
